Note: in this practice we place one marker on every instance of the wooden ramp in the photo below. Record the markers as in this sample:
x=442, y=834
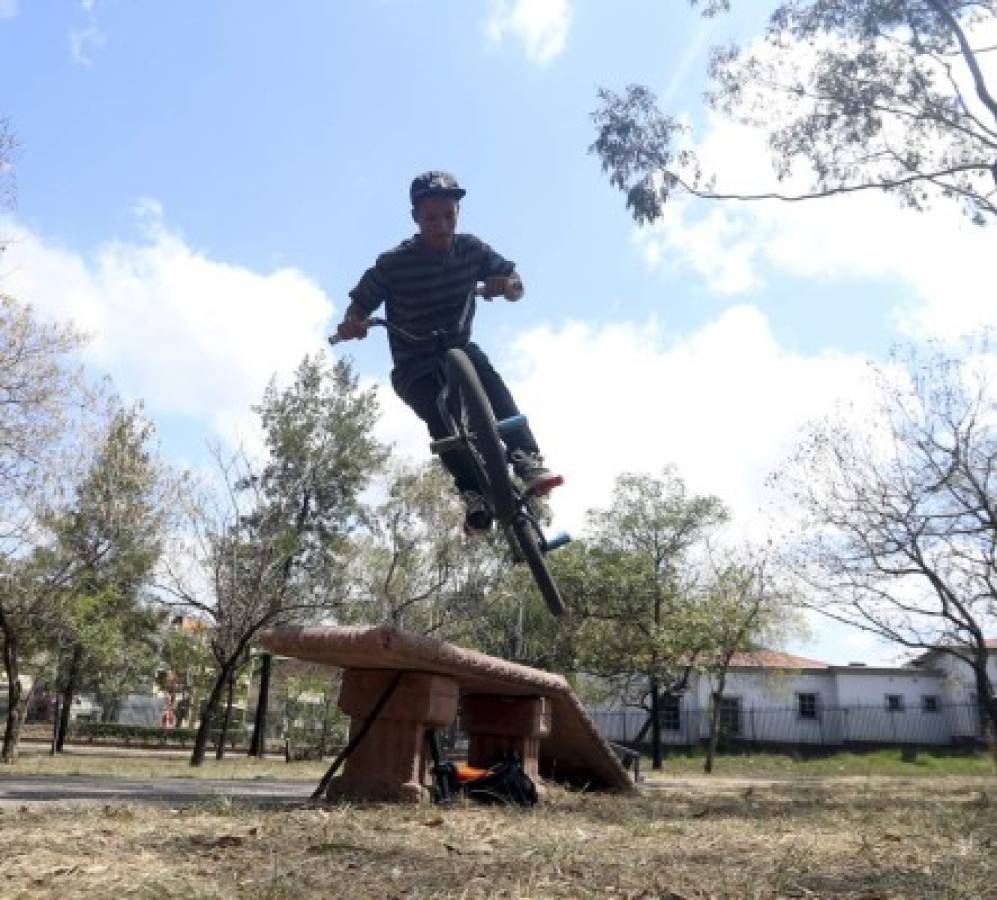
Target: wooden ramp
x=573, y=750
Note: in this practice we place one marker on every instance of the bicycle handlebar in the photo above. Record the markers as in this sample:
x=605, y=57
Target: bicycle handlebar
x=377, y=321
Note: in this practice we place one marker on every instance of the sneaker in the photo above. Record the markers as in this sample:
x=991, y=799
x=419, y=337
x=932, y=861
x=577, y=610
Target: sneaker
x=477, y=515
x=530, y=469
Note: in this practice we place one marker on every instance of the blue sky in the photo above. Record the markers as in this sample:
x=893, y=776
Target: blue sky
x=200, y=184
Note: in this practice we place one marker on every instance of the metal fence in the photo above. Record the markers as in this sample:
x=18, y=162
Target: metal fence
x=833, y=726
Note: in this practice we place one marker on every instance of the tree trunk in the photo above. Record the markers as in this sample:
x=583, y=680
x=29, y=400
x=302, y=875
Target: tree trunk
x=110, y=706
x=67, y=699
x=257, y=746
x=208, y=712
x=12, y=733
x=987, y=700
x=711, y=746
x=711, y=743
x=223, y=735
x=656, y=754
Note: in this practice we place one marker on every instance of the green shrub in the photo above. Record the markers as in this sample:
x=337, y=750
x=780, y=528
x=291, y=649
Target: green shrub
x=113, y=732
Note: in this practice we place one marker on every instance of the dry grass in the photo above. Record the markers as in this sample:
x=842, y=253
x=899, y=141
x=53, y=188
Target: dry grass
x=100, y=760
x=852, y=838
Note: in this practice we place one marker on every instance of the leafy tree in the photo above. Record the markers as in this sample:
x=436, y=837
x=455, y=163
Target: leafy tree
x=410, y=553
x=890, y=95
x=274, y=546
x=109, y=536
x=321, y=455
x=743, y=611
x=635, y=589
x=900, y=535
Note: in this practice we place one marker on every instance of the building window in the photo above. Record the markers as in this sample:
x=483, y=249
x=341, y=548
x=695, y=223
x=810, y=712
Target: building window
x=929, y=703
x=806, y=706
x=730, y=715
x=895, y=702
x=671, y=717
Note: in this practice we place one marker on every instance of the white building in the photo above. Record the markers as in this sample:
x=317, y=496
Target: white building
x=771, y=697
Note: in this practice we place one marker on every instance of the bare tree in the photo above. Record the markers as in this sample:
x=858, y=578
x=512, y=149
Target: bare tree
x=901, y=535
x=413, y=566
x=886, y=95
x=226, y=572
x=31, y=591
x=41, y=393
x=8, y=147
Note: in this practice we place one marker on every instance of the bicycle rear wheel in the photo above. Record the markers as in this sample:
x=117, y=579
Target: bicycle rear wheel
x=487, y=442
x=526, y=536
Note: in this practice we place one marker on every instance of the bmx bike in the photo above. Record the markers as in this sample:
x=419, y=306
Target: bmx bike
x=474, y=431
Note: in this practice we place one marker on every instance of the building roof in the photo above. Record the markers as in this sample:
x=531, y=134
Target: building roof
x=188, y=624
x=990, y=643
x=775, y=659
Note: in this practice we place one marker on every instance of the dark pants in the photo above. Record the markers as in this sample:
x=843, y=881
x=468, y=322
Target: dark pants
x=422, y=392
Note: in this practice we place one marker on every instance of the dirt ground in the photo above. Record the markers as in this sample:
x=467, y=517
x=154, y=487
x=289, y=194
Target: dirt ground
x=690, y=838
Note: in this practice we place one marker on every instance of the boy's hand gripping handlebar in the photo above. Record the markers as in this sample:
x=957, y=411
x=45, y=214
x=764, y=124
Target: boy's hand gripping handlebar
x=480, y=290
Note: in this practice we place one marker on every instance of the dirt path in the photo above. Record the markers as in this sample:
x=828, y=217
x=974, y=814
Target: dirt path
x=27, y=789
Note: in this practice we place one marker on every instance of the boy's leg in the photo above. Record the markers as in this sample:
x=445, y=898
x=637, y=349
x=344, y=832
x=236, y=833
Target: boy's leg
x=503, y=405
x=524, y=454
x=421, y=395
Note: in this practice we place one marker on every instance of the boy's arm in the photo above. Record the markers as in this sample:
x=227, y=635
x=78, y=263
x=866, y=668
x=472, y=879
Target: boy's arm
x=365, y=298
x=498, y=273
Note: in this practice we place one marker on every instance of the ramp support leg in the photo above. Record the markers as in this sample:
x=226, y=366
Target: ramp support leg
x=498, y=724
x=391, y=762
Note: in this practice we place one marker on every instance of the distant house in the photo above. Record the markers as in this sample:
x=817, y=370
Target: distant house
x=26, y=685
x=959, y=682
x=778, y=698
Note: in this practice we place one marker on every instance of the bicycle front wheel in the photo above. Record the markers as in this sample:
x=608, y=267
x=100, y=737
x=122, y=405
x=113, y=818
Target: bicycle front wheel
x=526, y=536
x=487, y=442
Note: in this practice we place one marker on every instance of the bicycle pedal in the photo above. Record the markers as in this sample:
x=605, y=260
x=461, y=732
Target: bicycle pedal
x=452, y=442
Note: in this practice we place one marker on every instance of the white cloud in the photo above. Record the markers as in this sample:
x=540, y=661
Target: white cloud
x=84, y=43
x=541, y=26
x=8, y=9
x=191, y=335
x=939, y=260
x=723, y=404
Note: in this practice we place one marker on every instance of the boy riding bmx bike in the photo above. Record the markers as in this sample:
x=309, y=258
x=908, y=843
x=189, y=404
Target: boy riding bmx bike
x=427, y=284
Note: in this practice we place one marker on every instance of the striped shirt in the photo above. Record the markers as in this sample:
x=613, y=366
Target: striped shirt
x=424, y=290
